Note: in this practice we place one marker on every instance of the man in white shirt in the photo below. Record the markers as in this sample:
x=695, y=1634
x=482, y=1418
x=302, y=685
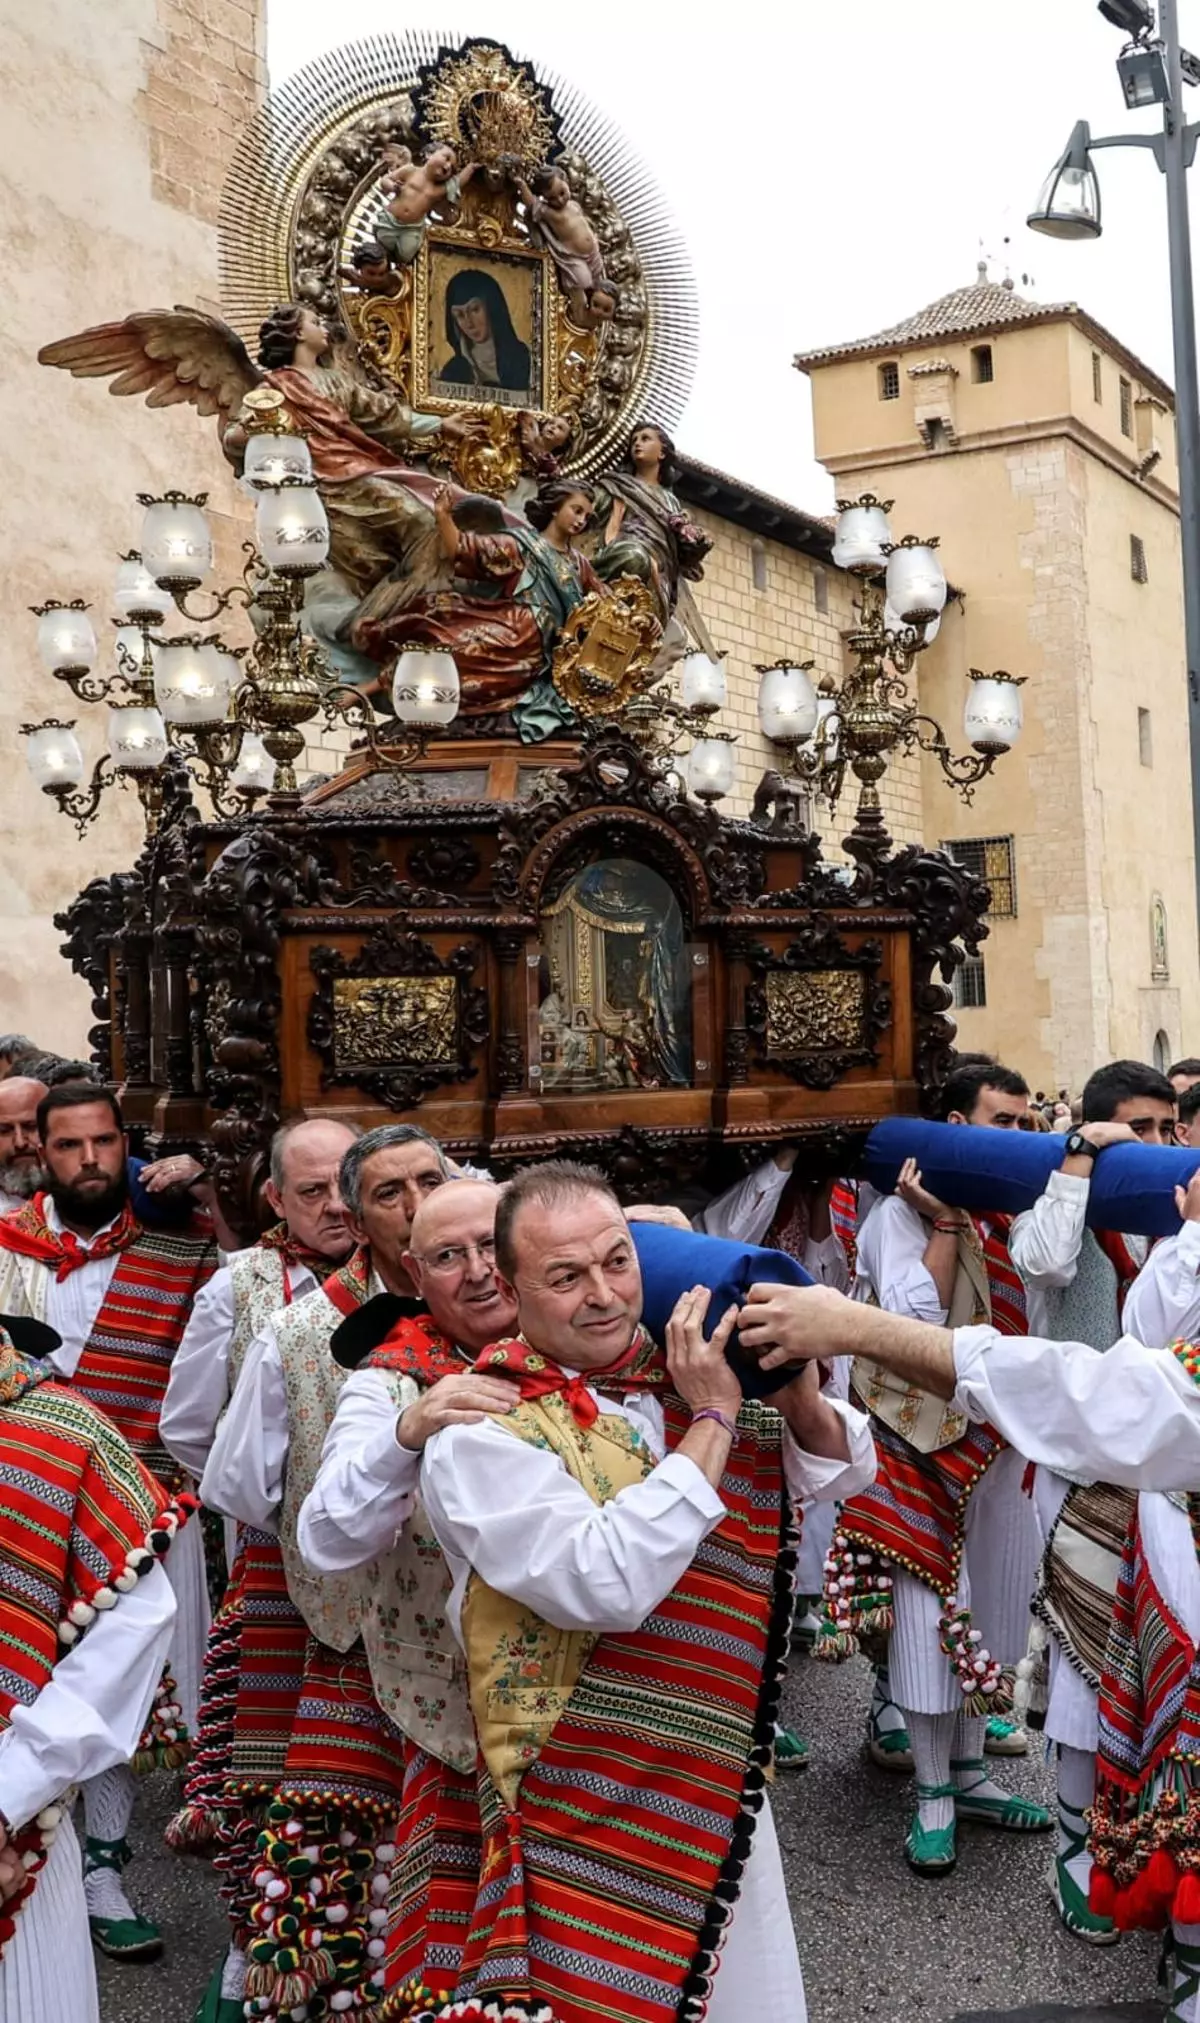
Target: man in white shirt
x=947, y=1521
x=117, y=1293
x=1130, y=1416
x=291, y=1260
x=1077, y=1281
x=575, y=1539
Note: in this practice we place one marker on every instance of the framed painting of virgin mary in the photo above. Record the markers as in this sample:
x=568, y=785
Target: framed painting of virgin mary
x=479, y=327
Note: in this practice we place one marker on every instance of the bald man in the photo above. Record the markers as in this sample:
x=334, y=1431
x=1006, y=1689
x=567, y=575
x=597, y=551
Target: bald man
x=21, y=1169
x=311, y=1238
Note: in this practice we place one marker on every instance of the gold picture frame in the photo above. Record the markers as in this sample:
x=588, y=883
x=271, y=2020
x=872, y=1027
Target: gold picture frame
x=507, y=298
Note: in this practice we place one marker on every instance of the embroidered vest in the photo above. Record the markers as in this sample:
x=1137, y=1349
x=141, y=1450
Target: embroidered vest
x=523, y=1670
x=926, y=1422
x=260, y=1286
x=417, y=1667
x=331, y=1604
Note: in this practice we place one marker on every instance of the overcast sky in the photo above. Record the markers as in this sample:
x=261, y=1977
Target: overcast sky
x=836, y=166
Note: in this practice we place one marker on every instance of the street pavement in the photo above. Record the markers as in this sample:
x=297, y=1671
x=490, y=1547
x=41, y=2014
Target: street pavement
x=981, y=1946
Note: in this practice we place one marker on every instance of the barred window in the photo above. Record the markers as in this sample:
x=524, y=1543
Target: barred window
x=1126, y=391
x=1097, y=377
x=970, y=985
x=983, y=369
x=1137, y=559
x=990, y=858
x=889, y=381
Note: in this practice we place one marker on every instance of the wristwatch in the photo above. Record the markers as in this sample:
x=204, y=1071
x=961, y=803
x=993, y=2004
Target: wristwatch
x=1079, y=1147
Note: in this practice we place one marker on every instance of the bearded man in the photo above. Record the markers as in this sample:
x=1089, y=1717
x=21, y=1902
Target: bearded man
x=574, y=1537
x=21, y=1173
x=118, y=1294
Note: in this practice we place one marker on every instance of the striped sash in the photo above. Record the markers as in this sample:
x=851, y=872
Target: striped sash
x=1006, y=1288
x=127, y=1358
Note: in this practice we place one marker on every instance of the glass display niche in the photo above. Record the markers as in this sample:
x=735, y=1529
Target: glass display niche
x=614, y=1006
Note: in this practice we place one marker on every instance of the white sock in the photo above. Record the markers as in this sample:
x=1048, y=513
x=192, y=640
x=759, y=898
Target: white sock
x=887, y=1717
x=105, y=1894
x=108, y=1802
x=1185, y=1997
x=967, y=1758
x=233, y=1975
x=931, y=1736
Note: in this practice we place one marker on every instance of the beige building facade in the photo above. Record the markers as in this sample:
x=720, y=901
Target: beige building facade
x=119, y=120
x=1043, y=453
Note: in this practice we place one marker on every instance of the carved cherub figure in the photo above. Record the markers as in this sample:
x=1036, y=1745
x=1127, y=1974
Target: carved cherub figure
x=561, y=224
x=371, y=272
x=415, y=190
x=544, y=438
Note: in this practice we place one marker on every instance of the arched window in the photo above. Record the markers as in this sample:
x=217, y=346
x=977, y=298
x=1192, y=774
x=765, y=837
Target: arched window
x=1162, y=1051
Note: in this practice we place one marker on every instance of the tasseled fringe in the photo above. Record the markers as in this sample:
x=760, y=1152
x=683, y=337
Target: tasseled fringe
x=122, y=1579
x=164, y=1743
x=472, y=2011
x=192, y=1830
x=856, y=1600
x=1146, y=1851
x=321, y=1877
x=1031, y=1689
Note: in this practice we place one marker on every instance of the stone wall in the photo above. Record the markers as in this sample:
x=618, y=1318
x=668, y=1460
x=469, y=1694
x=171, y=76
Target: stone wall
x=119, y=121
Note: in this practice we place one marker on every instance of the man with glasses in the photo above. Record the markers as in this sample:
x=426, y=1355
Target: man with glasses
x=343, y=1769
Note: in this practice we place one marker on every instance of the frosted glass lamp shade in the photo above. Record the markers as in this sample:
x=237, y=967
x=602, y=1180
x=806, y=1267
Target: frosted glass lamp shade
x=993, y=716
x=53, y=756
x=702, y=683
x=136, y=595
x=916, y=584
x=292, y=530
x=176, y=543
x=711, y=768
x=66, y=641
x=137, y=739
x=254, y=772
x=193, y=682
x=787, y=705
x=894, y=623
x=425, y=689
x=269, y=459
x=860, y=538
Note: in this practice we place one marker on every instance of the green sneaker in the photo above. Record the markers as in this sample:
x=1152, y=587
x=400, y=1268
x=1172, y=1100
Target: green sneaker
x=930, y=1850
x=791, y=1750
x=1004, y=1738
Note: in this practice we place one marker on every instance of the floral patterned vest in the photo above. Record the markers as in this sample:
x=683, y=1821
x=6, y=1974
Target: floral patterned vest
x=259, y=1280
x=523, y=1670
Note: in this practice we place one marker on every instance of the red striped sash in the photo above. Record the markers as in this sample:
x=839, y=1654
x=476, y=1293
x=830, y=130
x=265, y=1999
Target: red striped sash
x=599, y=1894
x=843, y=1214
x=1005, y=1284
x=127, y=1358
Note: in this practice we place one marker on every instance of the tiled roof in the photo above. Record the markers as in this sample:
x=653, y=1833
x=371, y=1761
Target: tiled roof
x=983, y=307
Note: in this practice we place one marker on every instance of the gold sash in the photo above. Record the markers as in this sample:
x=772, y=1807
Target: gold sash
x=523, y=1670
x=926, y=1422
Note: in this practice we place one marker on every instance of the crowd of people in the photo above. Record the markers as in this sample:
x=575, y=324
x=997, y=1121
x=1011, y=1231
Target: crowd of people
x=451, y=1536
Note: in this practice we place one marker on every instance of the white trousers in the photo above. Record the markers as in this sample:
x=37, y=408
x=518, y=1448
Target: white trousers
x=999, y=1567
x=48, y=1973
x=184, y=1567
x=758, y=1968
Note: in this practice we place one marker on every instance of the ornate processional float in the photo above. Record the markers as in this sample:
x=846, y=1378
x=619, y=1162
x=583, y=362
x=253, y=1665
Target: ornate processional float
x=460, y=331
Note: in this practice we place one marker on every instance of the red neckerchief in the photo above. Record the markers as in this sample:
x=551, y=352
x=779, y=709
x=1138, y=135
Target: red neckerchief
x=29, y=1234
x=350, y=1285
x=1122, y=1261
x=416, y=1347
x=539, y=1376
x=291, y=1251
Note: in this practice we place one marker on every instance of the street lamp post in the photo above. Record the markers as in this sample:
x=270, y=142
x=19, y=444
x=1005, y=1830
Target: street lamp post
x=1152, y=72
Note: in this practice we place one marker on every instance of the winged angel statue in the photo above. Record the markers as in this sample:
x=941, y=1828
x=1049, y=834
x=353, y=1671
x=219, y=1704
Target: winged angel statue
x=384, y=549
